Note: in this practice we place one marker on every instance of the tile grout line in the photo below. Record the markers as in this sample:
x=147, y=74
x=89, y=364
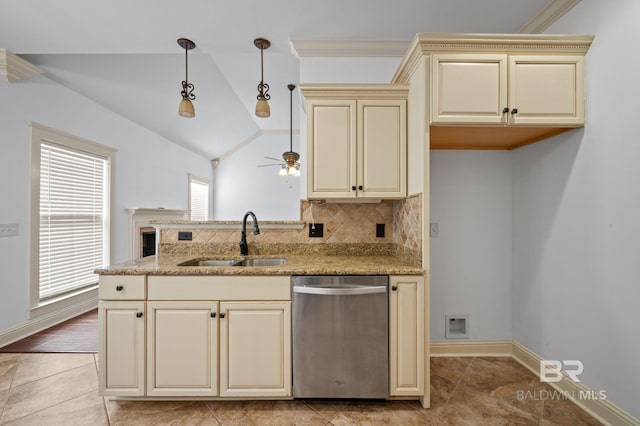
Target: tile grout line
x=50, y=406
x=6, y=398
x=51, y=375
x=212, y=412
x=304, y=402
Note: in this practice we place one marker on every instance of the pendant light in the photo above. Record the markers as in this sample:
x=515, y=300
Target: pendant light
x=262, y=107
x=186, y=107
x=290, y=158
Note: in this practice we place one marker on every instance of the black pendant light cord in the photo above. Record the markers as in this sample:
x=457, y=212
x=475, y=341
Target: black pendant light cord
x=291, y=87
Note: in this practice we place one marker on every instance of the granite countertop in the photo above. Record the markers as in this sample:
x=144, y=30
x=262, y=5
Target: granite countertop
x=295, y=265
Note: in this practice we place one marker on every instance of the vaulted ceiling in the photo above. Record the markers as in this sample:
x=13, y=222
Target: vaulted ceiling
x=123, y=54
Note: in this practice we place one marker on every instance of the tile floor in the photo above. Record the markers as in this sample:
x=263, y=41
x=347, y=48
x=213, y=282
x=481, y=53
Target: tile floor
x=62, y=389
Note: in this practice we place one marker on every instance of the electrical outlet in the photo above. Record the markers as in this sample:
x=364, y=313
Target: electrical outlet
x=9, y=230
x=185, y=236
x=379, y=230
x=434, y=229
x=316, y=230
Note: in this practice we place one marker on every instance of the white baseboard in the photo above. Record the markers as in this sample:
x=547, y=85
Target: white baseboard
x=43, y=322
x=472, y=348
x=601, y=409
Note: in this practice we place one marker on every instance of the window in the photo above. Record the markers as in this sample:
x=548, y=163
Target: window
x=198, y=198
x=70, y=213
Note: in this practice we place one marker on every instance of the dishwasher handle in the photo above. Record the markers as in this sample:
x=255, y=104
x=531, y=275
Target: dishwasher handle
x=334, y=291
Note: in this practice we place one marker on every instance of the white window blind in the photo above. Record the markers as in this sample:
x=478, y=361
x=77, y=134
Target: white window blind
x=198, y=199
x=73, y=218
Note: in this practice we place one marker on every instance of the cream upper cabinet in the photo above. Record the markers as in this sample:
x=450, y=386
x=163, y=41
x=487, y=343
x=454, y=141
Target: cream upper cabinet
x=501, y=89
x=356, y=141
x=255, y=349
x=331, y=148
x=182, y=352
x=121, y=351
x=469, y=88
x=546, y=90
x=382, y=148
x=406, y=335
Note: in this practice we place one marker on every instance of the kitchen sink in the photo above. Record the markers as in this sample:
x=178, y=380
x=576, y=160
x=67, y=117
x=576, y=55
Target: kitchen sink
x=261, y=261
x=258, y=261
x=209, y=262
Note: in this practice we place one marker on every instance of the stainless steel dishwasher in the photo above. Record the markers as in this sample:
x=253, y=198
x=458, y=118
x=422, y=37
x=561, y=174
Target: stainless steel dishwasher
x=340, y=331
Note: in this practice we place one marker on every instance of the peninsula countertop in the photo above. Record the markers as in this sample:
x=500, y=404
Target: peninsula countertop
x=165, y=264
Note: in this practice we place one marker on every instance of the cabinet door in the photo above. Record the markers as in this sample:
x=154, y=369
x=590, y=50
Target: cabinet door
x=121, y=352
x=255, y=349
x=382, y=142
x=182, y=349
x=547, y=90
x=469, y=88
x=406, y=334
x=331, y=148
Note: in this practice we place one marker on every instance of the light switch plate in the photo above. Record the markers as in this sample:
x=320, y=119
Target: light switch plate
x=9, y=230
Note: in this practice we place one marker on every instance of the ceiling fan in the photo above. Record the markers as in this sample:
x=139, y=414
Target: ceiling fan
x=289, y=165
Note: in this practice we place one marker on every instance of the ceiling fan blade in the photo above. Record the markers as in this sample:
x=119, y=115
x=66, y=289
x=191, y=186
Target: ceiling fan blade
x=268, y=165
x=276, y=159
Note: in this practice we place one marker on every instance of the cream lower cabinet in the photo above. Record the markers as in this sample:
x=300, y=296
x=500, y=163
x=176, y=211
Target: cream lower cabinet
x=182, y=351
x=255, y=349
x=406, y=334
x=501, y=89
x=121, y=358
x=226, y=336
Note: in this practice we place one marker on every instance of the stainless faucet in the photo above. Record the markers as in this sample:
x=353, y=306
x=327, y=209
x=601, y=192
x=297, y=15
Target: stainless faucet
x=244, y=249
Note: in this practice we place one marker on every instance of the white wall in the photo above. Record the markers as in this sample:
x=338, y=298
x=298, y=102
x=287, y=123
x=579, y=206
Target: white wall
x=471, y=258
x=150, y=172
x=576, y=217
x=240, y=185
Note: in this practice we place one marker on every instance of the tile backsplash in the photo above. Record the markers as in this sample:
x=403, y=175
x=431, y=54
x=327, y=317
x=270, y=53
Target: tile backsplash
x=344, y=224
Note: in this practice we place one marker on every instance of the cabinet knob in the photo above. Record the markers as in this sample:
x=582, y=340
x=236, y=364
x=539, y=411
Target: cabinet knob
x=505, y=110
x=221, y=314
x=119, y=288
x=360, y=187
x=213, y=314
x=514, y=111
x=138, y=314
x=394, y=287
x=353, y=188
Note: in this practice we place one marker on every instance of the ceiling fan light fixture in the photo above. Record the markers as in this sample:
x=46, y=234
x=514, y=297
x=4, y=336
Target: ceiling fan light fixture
x=262, y=106
x=186, y=109
x=284, y=170
x=290, y=157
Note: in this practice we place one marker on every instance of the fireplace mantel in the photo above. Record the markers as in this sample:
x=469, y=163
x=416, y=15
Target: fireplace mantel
x=140, y=218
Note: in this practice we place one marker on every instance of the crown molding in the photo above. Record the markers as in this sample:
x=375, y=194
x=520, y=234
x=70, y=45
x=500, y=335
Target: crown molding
x=522, y=44
x=354, y=91
x=348, y=48
x=14, y=68
x=548, y=15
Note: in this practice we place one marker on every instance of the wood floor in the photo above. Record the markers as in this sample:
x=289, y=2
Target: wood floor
x=77, y=335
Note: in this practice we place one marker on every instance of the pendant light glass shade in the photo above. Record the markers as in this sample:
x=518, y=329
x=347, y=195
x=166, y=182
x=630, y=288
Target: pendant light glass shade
x=262, y=108
x=186, y=109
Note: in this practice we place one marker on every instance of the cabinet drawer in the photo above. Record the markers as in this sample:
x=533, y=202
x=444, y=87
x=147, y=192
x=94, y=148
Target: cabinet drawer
x=122, y=287
x=177, y=287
